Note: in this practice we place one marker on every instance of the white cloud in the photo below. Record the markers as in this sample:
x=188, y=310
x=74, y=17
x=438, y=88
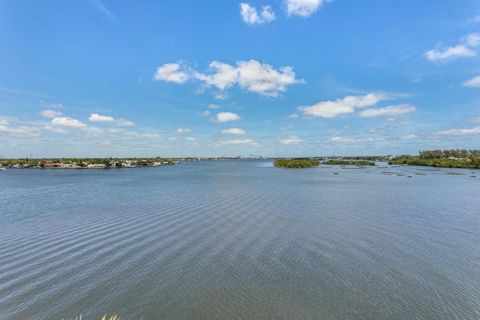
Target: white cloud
x=263, y=79
x=205, y=113
x=171, y=72
x=226, y=116
x=461, y=50
x=473, y=82
x=49, y=113
x=352, y=140
x=476, y=120
x=291, y=140
x=409, y=136
x=449, y=53
x=190, y=139
x=473, y=40
x=250, y=75
x=237, y=141
x=213, y=106
x=124, y=123
x=233, y=131
x=459, y=132
x=393, y=110
x=222, y=76
x=303, y=8
x=250, y=15
x=331, y=109
x=293, y=116
x=55, y=106
x=220, y=95
x=19, y=131
x=341, y=139
x=182, y=130
x=95, y=117
x=55, y=129
x=68, y=122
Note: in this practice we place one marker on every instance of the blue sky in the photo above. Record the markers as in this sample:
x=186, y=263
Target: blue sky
x=210, y=78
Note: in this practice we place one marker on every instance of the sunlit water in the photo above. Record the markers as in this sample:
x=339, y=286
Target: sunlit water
x=240, y=240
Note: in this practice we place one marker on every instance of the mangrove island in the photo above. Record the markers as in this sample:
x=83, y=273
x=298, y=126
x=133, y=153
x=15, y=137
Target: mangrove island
x=296, y=163
x=441, y=158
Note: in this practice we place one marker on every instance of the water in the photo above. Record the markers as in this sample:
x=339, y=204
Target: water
x=240, y=240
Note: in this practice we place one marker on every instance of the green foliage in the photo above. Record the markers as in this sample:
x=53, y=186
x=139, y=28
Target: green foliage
x=107, y=164
x=296, y=163
x=85, y=162
x=442, y=158
x=349, y=162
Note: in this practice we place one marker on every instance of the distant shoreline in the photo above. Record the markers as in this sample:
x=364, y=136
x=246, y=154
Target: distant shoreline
x=102, y=163
x=461, y=159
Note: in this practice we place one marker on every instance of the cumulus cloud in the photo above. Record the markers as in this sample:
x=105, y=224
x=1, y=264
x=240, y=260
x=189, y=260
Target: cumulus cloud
x=250, y=15
x=237, y=141
x=68, y=122
x=291, y=140
x=348, y=104
x=226, y=117
x=222, y=75
x=95, y=117
x=49, y=113
x=171, y=72
x=449, y=53
x=390, y=111
x=303, y=8
x=464, y=49
x=460, y=132
x=233, y=131
x=249, y=75
x=473, y=82
x=264, y=79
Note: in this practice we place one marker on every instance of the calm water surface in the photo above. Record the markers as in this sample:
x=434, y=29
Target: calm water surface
x=240, y=240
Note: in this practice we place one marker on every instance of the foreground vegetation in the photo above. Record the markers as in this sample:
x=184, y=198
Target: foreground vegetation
x=296, y=163
x=442, y=158
x=349, y=162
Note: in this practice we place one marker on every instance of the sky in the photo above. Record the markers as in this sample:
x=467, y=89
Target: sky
x=105, y=78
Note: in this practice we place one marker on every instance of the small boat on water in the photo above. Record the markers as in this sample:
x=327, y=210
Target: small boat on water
x=3, y=169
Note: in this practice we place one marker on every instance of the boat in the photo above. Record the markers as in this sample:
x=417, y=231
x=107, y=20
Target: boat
x=3, y=169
